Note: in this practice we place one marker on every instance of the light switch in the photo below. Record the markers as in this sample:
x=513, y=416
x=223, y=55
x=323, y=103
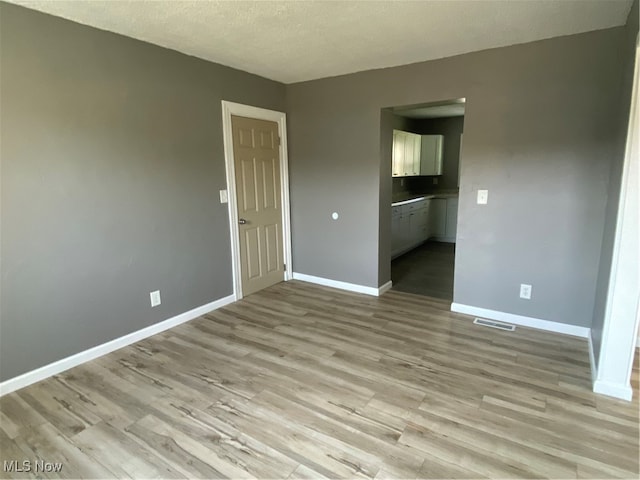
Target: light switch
x=224, y=198
x=483, y=197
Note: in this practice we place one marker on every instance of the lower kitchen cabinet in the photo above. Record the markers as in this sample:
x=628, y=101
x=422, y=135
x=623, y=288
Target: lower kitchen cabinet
x=400, y=232
x=409, y=226
x=438, y=220
x=444, y=219
x=415, y=222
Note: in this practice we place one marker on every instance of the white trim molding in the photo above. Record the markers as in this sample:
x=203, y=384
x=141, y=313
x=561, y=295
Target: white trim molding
x=385, y=287
x=352, y=287
x=592, y=361
x=623, y=392
x=622, y=310
x=521, y=320
x=59, y=366
x=231, y=108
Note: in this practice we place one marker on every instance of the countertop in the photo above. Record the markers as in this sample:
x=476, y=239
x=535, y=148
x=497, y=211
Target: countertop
x=414, y=197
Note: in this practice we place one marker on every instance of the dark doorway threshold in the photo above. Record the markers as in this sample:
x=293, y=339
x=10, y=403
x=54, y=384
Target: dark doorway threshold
x=426, y=270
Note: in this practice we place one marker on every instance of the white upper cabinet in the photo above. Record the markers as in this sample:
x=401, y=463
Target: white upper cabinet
x=413, y=146
x=406, y=158
x=431, y=155
x=398, y=154
x=415, y=154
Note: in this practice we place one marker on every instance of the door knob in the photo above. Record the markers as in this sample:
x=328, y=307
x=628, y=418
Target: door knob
x=242, y=221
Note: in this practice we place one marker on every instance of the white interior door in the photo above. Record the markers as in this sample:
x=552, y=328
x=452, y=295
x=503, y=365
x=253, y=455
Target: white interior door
x=256, y=147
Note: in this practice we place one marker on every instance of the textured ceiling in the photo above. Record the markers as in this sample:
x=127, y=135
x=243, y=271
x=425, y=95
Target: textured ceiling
x=292, y=41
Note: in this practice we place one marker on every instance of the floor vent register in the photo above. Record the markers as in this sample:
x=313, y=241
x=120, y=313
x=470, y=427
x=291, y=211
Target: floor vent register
x=490, y=323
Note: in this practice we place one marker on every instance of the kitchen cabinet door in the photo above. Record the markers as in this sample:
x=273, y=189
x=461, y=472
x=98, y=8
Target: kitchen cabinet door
x=426, y=221
x=396, y=243
x=452, y=219
x=407, y=166
x=413, y=147
x=431, y=154
x=438, y=217
x=405, y=157
x=397, y=159
x=404, y=230
x=415, y=227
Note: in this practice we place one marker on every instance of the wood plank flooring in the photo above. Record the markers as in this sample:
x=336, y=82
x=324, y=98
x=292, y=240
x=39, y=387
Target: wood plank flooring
x=300, y=381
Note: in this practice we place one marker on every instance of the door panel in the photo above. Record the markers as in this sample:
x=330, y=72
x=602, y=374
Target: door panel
x=252, y=245
x=256, y=152
x=270, y=182
x=245, y=137
x=248, y=174
x=271, y=236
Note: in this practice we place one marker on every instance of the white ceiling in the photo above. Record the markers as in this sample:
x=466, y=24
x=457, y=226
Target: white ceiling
x=292, y=41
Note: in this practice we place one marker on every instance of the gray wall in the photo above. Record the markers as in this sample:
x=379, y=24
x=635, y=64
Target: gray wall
x=606, y=252
x=112, y=159
x=538, y=136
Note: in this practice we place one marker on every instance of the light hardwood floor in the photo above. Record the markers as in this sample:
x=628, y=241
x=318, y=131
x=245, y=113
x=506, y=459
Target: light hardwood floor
x=300, y=381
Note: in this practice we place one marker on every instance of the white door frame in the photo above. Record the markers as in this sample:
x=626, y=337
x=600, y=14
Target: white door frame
x=622, y=311
x=228, y=109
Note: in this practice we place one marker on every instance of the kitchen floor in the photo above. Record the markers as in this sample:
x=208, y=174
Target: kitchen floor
x=426, y=270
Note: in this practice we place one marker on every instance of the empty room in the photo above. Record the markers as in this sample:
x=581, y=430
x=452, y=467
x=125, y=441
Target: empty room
x=319, y=239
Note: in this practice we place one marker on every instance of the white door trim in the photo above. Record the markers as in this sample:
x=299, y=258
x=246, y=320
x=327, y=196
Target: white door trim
x=231, y=108
x=622, y=311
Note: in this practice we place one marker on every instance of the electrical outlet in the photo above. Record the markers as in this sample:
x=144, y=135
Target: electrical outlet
x=483, y=197
x=525, y=291
x=155, y=298
x=435, y=180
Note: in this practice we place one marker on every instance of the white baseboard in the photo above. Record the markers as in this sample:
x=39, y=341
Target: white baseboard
x=623, y=392
x=385, y=288
x=59, y=366
x=592, y=361
x=352, y=287
x=521, y=320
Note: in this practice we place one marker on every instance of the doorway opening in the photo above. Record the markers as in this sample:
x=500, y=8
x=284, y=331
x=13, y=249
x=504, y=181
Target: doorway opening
x=427, y=143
